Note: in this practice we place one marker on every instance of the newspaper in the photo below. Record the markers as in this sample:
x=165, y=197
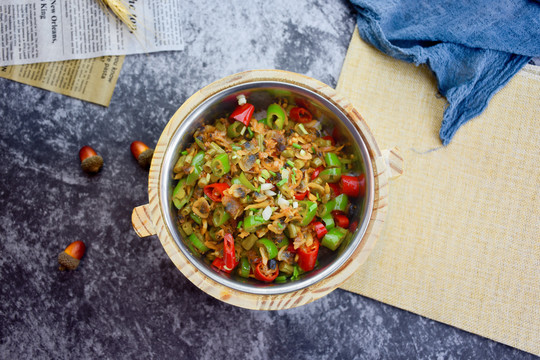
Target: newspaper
x=33, y=31
x=89, y=79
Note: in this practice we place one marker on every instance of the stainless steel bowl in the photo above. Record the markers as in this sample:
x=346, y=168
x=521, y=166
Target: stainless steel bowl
x=261, y=94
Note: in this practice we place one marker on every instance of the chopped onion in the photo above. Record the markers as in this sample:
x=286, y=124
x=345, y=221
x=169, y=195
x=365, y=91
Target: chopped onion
x=295, y=204
x=241, y=99
x=282, y=203
x=270, y=193
x=267, y=212
x=266, y=186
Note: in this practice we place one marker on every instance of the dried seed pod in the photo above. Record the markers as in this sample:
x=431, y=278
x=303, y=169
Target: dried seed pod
x=90, y=161
x=142, y=153
x=70, y=258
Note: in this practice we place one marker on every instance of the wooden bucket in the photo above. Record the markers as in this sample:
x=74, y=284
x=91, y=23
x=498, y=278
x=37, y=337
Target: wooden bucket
x=148, y=219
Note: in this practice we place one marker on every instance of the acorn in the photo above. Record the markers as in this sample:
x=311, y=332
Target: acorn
x=142, y=153
x=90, y=161
x=71, y=257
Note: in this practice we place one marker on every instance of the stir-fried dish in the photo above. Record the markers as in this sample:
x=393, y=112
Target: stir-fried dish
x=260, y=197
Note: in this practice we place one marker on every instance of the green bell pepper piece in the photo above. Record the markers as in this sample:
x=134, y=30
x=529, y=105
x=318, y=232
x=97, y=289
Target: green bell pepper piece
x=220, y=126
x=270, y=247
x=190, y=246
x=186, y=227
x=179, y=164
x=316, y=162
x=285, y=268
x=196, y=218
x=276, y=116
x=181, y=202
x=308, y=210
x=197, y=242
x=220, y=165
x=289, y=153
x=323, y=142
x=297, y=272
x=333, y=238
x=220, y=216
x=341, y=202
x=234, y=129
x=250, y=134
x=280, y=279
x=197, y=162
x=248, y=242
x=328, y=221
x=244, y=268
x=332, y=160
x=244, y=181
x=284, y=241
x=251, y=223
x=218, y=149
x=331, y=175
x=200, y=144
x=292, y=230
x=263, y=121
x=198, y=159
x=299, y=164
x=194, y=175
x=300, y=129
x=179, y=194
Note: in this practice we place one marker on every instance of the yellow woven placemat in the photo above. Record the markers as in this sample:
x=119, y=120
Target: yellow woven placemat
x=461, y=244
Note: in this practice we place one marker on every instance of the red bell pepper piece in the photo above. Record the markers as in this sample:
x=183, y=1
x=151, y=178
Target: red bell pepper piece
x=229, y=256
x=243, y=113
x=300, y=115
x=301, y=196
x=353, y=185
x=320, y=229
x=307, y=256
x=263, y=273
x=335, y=188
x=336, y=134
x=353, y=226
x=215, y=191
x=329, y=138
x=301, y=103
x=291, y=249
x=342, y=221
x=219, y=264
x=317, y=172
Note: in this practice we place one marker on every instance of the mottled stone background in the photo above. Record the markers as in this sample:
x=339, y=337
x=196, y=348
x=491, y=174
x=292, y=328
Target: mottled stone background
x=127, y=300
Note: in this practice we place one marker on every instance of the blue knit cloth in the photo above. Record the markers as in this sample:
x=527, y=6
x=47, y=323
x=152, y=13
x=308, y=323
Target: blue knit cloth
x=473, y=47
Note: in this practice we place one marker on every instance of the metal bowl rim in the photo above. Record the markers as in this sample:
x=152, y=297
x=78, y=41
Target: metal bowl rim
x=165, y=180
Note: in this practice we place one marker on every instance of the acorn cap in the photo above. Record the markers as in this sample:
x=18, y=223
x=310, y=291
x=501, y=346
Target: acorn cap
x=145, y=158
x=67, y=261
x=92, y=164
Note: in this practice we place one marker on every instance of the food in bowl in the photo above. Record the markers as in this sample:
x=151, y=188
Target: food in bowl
x=262, y=192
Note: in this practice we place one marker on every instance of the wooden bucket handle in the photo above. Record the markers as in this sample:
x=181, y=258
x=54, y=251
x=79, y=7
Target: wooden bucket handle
x=140, y=219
